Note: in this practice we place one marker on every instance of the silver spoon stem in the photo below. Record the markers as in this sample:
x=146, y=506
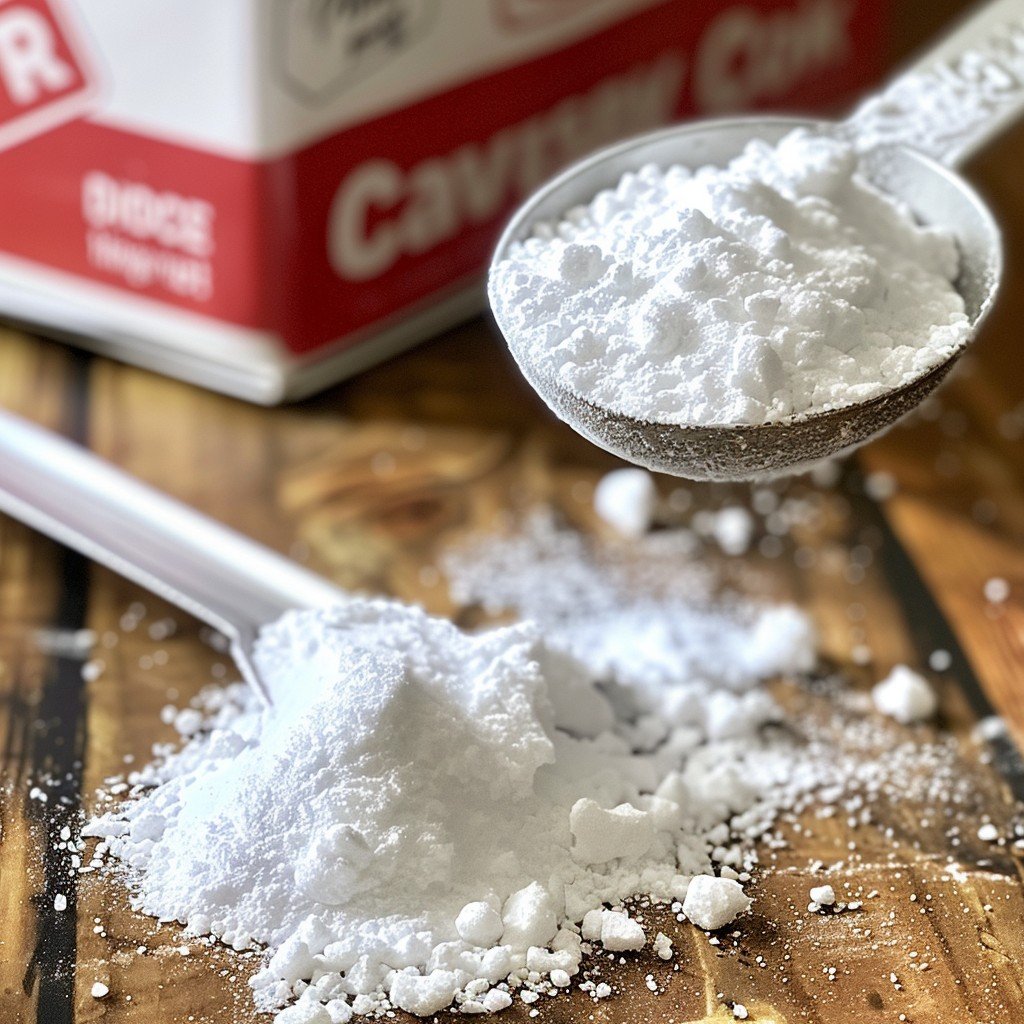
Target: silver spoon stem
x=958, y=96
x=210, y=571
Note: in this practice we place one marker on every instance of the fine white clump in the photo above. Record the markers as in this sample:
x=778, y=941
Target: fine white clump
x=905, y=696
x=779, y=285
x=626, y=500
x=712, y=903
x=991, y=729
x=620, y=932
x=427, y=816
x=733, y=528
x=997, y=590
x=479, y=924
x=823, y=895
x=988, y=833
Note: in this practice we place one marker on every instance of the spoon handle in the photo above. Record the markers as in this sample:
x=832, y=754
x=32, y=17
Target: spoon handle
x=220, y=576
x=958, y=95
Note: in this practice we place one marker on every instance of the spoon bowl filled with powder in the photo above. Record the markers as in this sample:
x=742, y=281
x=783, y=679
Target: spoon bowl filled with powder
x=741, y=298
x=782, y=303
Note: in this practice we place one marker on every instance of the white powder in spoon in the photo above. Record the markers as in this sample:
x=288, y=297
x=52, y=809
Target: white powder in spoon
x=781, y=284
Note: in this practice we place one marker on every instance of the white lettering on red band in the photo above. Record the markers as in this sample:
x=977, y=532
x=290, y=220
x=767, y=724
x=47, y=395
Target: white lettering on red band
x=145, y=214
x=30, y=66
x=381, y=212
x=745, y=56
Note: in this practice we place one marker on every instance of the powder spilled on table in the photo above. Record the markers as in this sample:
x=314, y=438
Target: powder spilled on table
x=429, y=818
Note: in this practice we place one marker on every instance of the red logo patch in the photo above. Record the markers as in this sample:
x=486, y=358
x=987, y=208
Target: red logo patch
x=43, y=78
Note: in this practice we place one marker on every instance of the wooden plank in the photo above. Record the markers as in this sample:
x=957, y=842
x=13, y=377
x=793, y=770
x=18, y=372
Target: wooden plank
x=402, y=487
x=474, y=482
x=369, y=483
x=376, y=500
x=41, y=587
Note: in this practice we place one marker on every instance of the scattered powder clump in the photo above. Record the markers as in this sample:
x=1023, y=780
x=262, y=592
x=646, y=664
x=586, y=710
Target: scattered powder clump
x=733, y=529
x=619, y=932
x=781, y=284
x=711, y=903
x=997, y=590
x=988, y=833
x=823, y=895
x=663, y=946
x=626, y=499
x=905, y=696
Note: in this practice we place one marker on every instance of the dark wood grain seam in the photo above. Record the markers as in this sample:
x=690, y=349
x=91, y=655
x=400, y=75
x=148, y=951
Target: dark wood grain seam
x=56, y=748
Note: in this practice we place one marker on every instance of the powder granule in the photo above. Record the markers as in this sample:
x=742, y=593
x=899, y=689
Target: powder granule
x=733, y=529
x=823, y=895
x=988, y=833
x=905, y=696
x=712, y=903
x=626, y=500
x=620, y=932
x=479, y=924
x=781, y=284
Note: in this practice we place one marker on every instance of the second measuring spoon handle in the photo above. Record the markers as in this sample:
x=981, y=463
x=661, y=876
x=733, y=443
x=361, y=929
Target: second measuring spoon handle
x=220, y=576
x=956, y=97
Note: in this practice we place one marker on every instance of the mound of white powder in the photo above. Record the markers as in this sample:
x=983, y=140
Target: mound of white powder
x=781, y=284
x=428, y=816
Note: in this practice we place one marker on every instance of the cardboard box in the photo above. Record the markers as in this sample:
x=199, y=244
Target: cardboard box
x=264, y=196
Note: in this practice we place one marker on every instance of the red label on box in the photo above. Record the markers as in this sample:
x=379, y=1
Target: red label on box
x=351, y=231
x=396, y=210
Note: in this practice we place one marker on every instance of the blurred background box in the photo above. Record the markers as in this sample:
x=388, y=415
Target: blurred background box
x=264, y=196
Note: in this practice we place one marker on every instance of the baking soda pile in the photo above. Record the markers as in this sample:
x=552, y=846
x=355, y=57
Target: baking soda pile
x=428, y=816
x=781, y=284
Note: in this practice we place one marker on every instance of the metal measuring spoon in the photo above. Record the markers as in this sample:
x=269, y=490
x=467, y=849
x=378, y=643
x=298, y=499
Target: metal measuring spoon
x=974, y=84
x=221, y=577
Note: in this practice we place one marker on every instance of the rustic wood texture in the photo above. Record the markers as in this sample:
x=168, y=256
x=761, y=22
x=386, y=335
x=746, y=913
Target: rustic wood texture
x=368, y=484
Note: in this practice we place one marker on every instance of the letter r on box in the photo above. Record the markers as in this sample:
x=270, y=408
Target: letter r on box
x=44, y=80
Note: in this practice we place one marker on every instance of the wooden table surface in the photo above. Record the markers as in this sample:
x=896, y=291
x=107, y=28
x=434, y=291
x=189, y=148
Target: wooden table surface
x=372, y=481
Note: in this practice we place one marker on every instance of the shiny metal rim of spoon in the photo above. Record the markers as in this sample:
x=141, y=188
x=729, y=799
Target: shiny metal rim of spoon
x=750, y=451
